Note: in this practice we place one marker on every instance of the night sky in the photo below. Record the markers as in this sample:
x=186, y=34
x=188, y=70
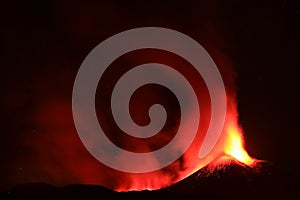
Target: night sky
x=43, y=43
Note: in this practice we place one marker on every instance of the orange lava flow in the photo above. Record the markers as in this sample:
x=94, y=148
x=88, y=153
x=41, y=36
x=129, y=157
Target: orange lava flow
x=234, y=145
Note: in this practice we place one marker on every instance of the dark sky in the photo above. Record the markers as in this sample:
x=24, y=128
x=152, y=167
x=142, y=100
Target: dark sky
x=43, y=43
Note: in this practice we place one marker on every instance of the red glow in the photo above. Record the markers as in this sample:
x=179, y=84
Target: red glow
x=58, y=156
x=52, y=148
x=62, y=159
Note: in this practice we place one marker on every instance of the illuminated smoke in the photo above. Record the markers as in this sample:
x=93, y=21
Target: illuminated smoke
x=58, y=156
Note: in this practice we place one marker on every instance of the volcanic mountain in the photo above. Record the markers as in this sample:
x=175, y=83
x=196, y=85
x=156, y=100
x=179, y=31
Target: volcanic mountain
x=230, y=180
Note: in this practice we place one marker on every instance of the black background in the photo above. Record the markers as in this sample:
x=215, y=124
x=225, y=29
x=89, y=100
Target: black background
x=44, y=42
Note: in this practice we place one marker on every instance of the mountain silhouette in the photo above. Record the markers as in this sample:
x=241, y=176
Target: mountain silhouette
x=233, y=180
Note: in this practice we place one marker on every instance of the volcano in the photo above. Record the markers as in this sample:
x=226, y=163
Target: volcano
x=234, y=180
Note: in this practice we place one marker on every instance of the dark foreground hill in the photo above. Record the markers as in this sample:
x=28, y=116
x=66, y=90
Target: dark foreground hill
x=234, y=181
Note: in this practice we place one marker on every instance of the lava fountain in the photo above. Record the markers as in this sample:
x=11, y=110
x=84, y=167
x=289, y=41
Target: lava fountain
x=234, y=145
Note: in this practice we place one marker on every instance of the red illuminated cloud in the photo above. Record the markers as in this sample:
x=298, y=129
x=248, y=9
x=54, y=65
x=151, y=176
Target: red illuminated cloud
x=60, y=157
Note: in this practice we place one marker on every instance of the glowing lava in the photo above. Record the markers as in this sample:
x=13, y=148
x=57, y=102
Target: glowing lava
x=234, y=145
